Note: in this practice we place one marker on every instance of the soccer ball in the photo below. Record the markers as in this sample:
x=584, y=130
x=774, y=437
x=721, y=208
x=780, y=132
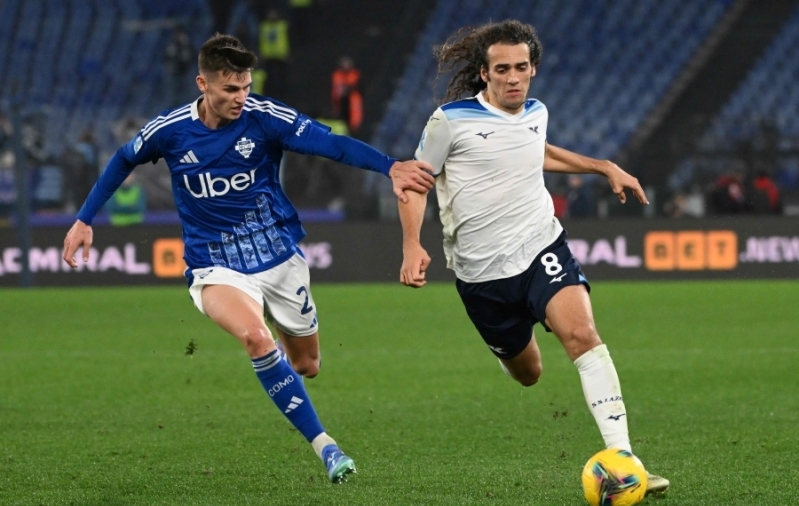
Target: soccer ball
x=614, y=477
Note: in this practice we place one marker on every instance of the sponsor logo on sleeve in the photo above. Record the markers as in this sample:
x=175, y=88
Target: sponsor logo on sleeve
x=302, y=127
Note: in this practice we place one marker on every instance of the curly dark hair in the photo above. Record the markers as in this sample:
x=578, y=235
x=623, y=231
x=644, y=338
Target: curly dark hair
x=467, y=51
x=225, y=53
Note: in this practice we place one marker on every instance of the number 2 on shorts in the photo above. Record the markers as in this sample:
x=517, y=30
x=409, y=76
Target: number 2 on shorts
x=305, y=307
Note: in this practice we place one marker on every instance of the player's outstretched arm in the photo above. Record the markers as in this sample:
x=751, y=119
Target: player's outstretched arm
x=312, y=138
x=115, y=172
x=413, y=175
x=564, y=161
x=414, y=257
x=79, y=235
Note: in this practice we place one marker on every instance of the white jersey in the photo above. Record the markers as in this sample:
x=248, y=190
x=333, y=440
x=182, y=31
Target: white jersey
x=496, y=211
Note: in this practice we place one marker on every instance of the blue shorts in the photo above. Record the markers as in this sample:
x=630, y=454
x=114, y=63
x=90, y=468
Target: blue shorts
x=505, y=310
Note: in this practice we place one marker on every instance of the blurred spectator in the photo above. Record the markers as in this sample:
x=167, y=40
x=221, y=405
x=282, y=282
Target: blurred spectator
x=273, y=48
x=345, y=93
x=580, y=197
x=33, y=140
x=82, y=167
x=155, y=178
x=5, y=132
x=728, y=196
x=46, y=178
x=683, y=205
x=8, y=189
x=180, y=62
x=767, y=196
x=560, y=203
x=47, y=190
x=126, y=128
x=128, y=204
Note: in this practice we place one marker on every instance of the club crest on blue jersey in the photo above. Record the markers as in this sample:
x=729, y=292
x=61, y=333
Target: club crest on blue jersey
x=137, y=144
x=245, y=147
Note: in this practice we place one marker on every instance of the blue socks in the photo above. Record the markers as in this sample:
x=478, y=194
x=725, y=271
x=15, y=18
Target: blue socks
x=287, y=391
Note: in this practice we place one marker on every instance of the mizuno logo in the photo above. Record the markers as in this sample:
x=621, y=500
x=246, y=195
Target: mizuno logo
x=611, y=417
x=497, y=349
x=533, y=129
x=204, y=274
x=189, y=158
x=295, y=403
x=558, y=279
x=484, y=136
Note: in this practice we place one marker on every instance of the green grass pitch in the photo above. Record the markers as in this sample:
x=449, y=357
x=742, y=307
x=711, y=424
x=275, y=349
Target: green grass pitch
x=100, y=405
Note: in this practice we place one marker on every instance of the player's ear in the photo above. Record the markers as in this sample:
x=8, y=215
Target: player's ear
x=201, y=83
x=484, y=74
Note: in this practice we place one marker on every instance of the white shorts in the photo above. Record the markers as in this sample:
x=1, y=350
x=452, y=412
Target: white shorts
x=283, y=291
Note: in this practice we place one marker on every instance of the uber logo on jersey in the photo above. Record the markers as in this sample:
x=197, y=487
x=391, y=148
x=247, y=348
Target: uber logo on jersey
x=218, y=186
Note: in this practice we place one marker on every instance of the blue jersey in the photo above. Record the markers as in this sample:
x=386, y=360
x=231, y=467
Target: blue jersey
x=225, y=181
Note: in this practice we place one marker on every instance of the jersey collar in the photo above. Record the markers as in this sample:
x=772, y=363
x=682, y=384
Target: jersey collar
x=195, y=114
x=497, y=110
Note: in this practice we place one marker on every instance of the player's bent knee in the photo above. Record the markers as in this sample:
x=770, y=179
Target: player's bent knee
x=257, y=340
x=307, y=367
x=583, y=338
x=529, y=376
x=528, y=380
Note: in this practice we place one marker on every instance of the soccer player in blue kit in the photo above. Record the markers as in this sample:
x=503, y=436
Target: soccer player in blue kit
x=501, y=236
x=241, y=232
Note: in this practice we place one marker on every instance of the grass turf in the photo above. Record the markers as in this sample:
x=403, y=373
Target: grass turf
x=100, y=405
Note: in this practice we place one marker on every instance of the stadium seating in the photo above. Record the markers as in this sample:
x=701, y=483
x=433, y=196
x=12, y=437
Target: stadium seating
x=84, y=64
x=597, y=98
x=768, y=92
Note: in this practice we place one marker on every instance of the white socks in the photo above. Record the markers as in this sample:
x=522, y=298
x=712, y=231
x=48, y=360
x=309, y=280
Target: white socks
x=603, y=395
x=320, y=441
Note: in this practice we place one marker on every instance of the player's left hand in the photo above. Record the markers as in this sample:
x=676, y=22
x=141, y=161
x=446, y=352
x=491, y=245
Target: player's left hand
x=412, y=175
x=414, y=264
x=79, y=235
x=621, y=181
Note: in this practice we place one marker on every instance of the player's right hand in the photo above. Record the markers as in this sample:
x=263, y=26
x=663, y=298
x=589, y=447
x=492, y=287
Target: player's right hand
x=412, y=175
x=414, y=264
x=79, y=235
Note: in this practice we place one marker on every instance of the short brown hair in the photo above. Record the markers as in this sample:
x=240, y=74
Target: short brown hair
x=225, y=53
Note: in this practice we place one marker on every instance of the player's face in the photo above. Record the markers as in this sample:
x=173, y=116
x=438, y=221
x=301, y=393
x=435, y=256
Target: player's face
x=508, y=76
x=224, y=96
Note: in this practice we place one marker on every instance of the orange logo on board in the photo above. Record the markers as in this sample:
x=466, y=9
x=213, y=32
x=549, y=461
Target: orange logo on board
x=691, y=250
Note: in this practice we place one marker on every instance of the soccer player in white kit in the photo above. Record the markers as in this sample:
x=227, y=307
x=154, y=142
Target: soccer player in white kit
x=501, y=236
